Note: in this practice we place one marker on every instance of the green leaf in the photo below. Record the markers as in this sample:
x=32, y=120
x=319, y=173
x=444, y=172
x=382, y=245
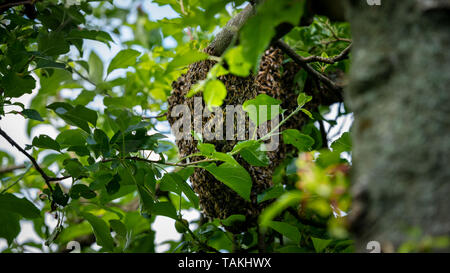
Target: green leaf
x=206, y=149
x=74, y=168
x=174, y=178
x=46, y=63
x=287, y=230
x=72, y=137
x=320, y=244
x=118, y=227
x=214, y=94
x=85, y=114
x=21, y=206
x=302, y=99
x=59, y=197
x=78, y=116
x=32, y=114
x=113, y=186
x=284, y=201
x=95, y=68
x=230, y=220
x=124, y=59
x=307, y=113
x=255, y=155
x=53, y=43
x=15, y=86
x=271, y=193
x=343, y=144
x=234, y=176
x=97, y=35
x=256, y=35
x=10, y=227
x=260, y=109
x=302, y=142
x=80, y=190
x=165, y=209
x=183, y=59
x=146, y=200
x=101, y=231
x=291, y=249
x=300, y=79
x=217, y=70
x=238, y=65
x=45, y=142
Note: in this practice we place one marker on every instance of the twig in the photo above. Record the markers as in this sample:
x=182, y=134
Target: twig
x=163, y=163
x=343, y=55
x=17, y=181
x=202, y=244
x=158, y=116
x=47, y=178
x=301, y=61
x=12, y=168
x=13, y=4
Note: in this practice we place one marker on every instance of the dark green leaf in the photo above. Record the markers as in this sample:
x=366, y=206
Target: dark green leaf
x=45, y=142
x=165, y=209
x=80, y=190
x=287, y=230
x=59, y=197
x=73, y=137
x=21, y=206
x=174, y=178
x=10, y=227
x=32, y=114
x=320, y=244
x=15, y=86
x=255, y=155
x=101, y=231
x=302, y=142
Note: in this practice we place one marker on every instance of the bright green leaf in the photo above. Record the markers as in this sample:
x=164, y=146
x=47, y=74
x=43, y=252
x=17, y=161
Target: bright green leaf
x=124, y=59
x=234, y=176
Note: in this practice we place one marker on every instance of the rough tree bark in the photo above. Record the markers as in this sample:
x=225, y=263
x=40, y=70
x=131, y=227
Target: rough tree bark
x=399, y=92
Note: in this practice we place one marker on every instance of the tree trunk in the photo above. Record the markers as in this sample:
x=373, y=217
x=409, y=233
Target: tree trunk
x=399, y=92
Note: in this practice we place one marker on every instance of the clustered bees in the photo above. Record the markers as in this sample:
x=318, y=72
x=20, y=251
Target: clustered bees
x=274, y=78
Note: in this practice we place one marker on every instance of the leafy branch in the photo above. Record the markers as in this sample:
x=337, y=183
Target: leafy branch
x=47, y=178
x=304, y=63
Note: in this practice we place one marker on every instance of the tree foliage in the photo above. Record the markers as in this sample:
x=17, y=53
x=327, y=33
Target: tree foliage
x=113, y=168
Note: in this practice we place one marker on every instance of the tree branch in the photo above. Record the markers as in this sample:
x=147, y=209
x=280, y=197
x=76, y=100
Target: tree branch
x=163, y=163
x=47, y=178
x=9, y=169
x=11, y=4
x=343, y=55
x=229, y=32
x=301, y=61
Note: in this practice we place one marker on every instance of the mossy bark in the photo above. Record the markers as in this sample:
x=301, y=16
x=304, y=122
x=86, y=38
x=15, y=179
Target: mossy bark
x=400, y=94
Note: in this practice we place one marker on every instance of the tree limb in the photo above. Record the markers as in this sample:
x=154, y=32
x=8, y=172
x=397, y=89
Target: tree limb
x=224, y=38
x=47, y=178
x=343, y=55
x=9, y=169
x=11, y=4
x=301, y=61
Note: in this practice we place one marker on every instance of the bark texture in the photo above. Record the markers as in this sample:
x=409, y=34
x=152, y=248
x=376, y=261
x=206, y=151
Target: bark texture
x=400, y=94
